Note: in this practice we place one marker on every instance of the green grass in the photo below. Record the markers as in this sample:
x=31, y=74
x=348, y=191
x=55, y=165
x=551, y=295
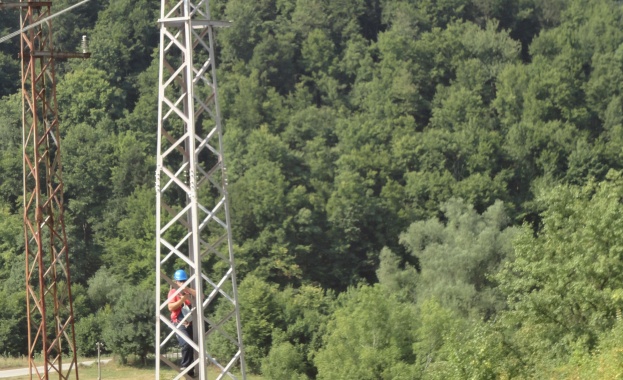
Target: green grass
x=111, y=370
x=7, y=362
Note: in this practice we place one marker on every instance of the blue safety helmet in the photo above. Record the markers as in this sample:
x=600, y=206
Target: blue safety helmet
x=180, y=275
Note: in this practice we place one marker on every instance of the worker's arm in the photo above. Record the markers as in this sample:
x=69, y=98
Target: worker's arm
x=190, y=291
x=177, y=304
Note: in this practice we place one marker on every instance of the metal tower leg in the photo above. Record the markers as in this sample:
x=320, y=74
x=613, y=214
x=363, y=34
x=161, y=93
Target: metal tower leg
x=192, y=206
x=48, y=284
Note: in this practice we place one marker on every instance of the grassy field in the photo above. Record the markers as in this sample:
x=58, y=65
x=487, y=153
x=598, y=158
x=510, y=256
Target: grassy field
x=110, y=370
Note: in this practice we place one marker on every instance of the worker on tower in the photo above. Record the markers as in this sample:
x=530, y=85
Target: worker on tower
x=179, y=305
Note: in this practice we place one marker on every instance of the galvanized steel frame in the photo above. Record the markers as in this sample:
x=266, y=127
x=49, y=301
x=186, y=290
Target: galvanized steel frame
x=192, y=203
x=48, y=281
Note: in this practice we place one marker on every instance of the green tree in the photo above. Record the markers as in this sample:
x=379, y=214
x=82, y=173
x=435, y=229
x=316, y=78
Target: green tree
x=13, y=322
x=467, y=349
x=9, y=75
x=134, y=164
x=260, y=315
x=249, y=27
x=13, y=316
x=140, y=120
x=86, y=167
x=284, y=361
x=11, y=240
x=87, y=96
x=105, y=288
x=355, y=218
x=129, y=328
x=369, y=334
x=11, y=155
x=123, y=35
x=296, y=339
x=89, y=332
x=601, y=363
x=562, y=285
x=129, y=240
x=69, y=27
x=397, y=275
x=12, y=292
x=458, y=256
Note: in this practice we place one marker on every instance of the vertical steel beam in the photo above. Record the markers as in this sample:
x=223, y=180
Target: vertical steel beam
x=193, y=229
x=49, y=305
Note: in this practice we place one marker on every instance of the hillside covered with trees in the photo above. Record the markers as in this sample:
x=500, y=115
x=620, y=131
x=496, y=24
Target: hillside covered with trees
x=421, y=189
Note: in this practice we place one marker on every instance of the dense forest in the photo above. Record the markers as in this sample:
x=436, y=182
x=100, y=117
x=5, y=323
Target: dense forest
x=421, y=189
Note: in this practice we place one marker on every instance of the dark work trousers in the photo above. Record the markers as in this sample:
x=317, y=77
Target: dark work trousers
x=187, y=350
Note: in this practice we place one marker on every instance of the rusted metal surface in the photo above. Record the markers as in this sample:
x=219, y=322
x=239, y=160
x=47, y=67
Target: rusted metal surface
x=24, y=4
x=57, y=55
x=51, y=334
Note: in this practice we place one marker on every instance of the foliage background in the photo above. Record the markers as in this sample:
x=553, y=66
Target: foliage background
x=420, y=189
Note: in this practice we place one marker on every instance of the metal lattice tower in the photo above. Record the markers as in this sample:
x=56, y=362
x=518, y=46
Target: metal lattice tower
x=49, y=302
x=192, y=207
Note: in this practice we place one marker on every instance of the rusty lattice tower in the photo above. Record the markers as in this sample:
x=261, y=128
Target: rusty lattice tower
x=51, y=334
x=192, y=204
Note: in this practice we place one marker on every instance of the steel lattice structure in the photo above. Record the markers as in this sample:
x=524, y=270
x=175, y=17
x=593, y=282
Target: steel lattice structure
x=49, y=304
x=193, y=229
